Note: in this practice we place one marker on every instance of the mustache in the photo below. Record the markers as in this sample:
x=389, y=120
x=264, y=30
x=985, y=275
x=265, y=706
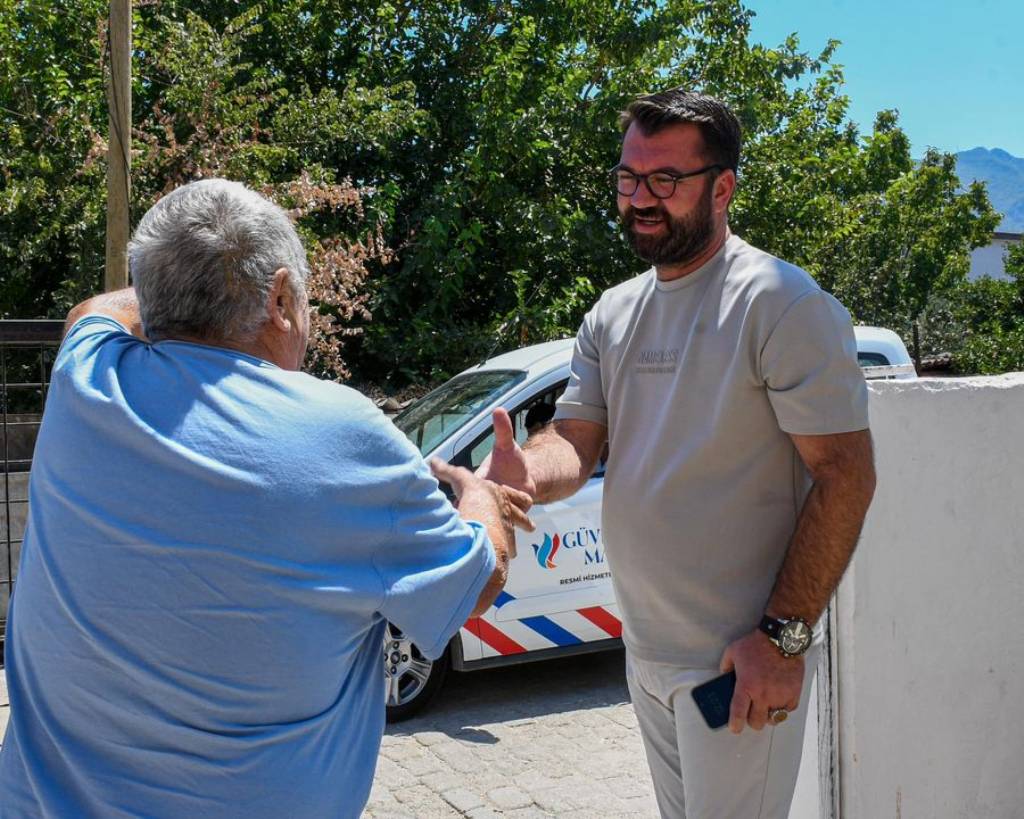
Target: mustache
x=644, y=213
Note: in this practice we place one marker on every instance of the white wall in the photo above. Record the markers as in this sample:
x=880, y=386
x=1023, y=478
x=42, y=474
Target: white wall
x=931, y=613
x=990, y=260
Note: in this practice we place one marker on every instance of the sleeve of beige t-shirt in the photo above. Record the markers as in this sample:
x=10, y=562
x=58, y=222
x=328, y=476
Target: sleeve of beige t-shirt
x=809, y=366
x=584, y=395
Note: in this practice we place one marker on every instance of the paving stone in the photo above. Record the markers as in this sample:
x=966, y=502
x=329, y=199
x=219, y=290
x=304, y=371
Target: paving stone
x=381, y=799
x=485, y=813
x=641, y=806
x=399, y=751
x=423, y=802
x=557, y=800
x=422, y=763
x=458, y=758
x=508, y=798
x=575, y=730
x=598, y=798
x=413, y=794
x=429, y=738
x=628, y=787
x=588, y=718
x=462, y=799
x=623, y=715
x=527, y=813
x=392, y=775
x=443, y=780
x=521, y=723
x=605, y=763
x=535, y=778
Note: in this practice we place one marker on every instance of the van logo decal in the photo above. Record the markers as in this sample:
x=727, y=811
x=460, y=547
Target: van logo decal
x=545, y=551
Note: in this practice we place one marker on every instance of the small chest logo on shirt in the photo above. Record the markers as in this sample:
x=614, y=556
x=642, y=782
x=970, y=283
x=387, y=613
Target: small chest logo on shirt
x=657, y=361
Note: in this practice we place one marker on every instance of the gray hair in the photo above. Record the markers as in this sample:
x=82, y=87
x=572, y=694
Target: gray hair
x=203, y=261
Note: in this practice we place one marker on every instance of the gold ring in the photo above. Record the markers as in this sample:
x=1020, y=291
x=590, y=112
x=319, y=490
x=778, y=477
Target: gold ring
x=776, y=716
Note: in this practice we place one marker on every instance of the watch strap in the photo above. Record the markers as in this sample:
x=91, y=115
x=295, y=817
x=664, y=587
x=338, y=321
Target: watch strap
x=771, y=626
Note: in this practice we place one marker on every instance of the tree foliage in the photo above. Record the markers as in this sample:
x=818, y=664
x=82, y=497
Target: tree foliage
x=52, y=198
x=447, y=159
x=982, y=320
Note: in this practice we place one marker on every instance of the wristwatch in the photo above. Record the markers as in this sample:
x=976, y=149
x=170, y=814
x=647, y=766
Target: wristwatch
x=791, y=634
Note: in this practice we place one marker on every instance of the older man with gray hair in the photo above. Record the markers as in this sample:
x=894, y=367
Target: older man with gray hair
x=215, y=542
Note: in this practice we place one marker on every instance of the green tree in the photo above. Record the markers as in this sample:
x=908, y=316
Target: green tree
x=913, y=243
x=205, y=111
x=475, y=136
x=215, y=112
x=52, y=196
x=982, y=322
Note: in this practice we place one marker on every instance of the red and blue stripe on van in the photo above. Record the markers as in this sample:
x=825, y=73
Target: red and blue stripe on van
x=493, y=635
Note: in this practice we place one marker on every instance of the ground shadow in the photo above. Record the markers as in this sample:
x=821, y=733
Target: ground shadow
x=520, y=692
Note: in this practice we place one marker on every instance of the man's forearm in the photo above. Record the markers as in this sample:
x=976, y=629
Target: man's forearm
x=555, y=464
x=486, y=508
x=823, y=543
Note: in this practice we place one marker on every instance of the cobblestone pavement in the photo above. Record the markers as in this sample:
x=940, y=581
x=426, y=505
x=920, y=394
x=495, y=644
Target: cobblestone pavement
x=556, y=738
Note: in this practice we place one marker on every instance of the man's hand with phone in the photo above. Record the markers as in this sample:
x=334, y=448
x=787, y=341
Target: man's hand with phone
x=765, y=680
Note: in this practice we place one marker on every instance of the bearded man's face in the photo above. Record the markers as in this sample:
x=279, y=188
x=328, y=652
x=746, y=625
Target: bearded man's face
x=659, y=238
x=675, y=229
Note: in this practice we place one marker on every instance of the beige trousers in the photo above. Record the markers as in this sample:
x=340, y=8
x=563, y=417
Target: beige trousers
x=703, y=774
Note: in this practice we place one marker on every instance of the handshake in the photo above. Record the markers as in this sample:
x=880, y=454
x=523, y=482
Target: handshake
x=557, y=462
x=500, y=493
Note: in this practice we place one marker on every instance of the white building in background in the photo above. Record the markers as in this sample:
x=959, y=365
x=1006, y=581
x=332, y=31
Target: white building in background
x=990, y=260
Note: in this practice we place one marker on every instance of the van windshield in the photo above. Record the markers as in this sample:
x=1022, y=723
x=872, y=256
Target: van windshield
x=441, y=413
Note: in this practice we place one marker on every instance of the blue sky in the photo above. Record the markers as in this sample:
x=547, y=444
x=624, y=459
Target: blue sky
x=954, y=70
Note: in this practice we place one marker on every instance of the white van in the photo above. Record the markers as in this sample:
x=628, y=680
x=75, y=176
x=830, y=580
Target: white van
x=559, y=598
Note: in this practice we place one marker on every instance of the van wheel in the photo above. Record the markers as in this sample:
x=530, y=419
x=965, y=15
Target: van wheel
x=412, y=679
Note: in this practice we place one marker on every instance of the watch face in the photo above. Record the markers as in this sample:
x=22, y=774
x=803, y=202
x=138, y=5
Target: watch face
x=795, y=637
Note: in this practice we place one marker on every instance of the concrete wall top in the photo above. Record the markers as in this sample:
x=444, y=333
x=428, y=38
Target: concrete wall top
x=928, y=385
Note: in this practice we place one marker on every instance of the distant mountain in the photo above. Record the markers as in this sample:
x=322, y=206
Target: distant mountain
x=1004, y=175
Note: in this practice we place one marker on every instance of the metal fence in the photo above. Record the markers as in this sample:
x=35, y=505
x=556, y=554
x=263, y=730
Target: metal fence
x=27, y=350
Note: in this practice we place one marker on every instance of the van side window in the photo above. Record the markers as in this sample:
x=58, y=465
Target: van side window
x=526, y=419
x=872, y=359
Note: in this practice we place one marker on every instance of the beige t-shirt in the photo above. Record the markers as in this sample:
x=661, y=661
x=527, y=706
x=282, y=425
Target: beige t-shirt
x=699, y=380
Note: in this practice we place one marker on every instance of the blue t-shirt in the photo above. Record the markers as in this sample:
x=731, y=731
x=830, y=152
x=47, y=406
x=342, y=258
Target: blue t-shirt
x=212, y=550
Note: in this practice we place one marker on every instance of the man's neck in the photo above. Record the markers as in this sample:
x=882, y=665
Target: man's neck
x=667, y=273
x=255, y=348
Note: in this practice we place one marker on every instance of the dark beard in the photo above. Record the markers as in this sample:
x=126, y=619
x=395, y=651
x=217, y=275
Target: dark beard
x=688, y=236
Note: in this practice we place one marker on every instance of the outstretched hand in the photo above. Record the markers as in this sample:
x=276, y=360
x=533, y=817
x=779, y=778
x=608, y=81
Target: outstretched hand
x=506, y=465
x=764, y=680
x=511, y=504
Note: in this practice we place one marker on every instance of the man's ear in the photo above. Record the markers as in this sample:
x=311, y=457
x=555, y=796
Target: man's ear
x=724, y=187
x=281, y=306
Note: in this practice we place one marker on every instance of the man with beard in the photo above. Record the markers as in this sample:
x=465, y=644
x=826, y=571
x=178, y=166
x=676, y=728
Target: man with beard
x=740, y=470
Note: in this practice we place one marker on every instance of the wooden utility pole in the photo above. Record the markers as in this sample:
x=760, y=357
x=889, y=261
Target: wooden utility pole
x=119, y=103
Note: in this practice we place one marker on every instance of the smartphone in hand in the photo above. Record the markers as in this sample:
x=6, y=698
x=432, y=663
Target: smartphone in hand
x=714, y=697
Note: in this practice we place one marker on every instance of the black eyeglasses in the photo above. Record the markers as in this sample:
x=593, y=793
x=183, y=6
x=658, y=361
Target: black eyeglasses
x=661, y=184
